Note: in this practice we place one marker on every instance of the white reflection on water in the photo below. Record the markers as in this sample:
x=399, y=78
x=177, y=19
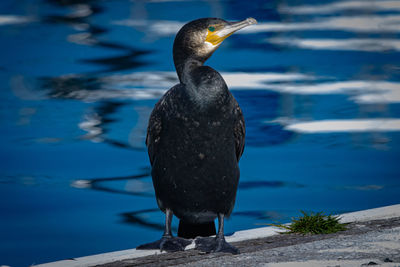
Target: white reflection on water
x=153, y=27
x=366, y=45
x=92, y=125
x=80, y=11
x=349, y=125
x=143, y=79
x=236, y=80
x=340, y=6
x=152, y=85
x=81, y=184
x=370, y=23
x=261, y=80
x=14, y=19
x=361, y=91
x=84, y=38
x=364, y=23
x=106, y=94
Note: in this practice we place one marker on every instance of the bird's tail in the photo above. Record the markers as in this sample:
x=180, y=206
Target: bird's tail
x=191, y=230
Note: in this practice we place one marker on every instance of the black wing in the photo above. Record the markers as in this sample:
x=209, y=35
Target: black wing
x=239, y=132
x=155, y=122
x=153, y=132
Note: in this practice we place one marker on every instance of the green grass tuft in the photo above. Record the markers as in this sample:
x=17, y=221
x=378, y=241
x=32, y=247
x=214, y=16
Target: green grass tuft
x=314, y=223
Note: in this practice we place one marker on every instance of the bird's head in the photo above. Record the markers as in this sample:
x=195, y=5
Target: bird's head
x=199, y=38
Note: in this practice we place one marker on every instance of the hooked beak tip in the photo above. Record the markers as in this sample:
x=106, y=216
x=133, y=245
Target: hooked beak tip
x=251, y=21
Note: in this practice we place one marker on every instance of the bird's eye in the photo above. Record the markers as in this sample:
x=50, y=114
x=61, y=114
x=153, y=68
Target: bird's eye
x=211, y=28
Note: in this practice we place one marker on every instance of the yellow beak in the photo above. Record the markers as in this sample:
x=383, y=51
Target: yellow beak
x=216, y=37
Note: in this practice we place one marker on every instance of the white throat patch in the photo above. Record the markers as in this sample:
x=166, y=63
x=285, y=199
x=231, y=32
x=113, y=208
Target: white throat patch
x=210, y=46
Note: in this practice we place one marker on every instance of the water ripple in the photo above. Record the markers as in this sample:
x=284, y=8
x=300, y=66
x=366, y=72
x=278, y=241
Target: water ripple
x=360, y=23
x=14, y=19
x=365, y=45
x=152, y=85
x=349, y=125
x=341, y=6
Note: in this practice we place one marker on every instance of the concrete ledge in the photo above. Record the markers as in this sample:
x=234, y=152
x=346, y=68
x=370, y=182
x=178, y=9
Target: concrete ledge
x=257, y=233
x=371, y=214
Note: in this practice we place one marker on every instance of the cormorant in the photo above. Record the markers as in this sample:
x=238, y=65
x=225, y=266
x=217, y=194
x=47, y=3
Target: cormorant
x=195, y=139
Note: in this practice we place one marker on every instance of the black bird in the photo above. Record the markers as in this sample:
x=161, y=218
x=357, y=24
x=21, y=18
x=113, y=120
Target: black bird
x=195, y=139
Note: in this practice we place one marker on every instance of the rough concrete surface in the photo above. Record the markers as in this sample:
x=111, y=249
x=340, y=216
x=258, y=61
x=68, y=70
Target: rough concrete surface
x=366, y=243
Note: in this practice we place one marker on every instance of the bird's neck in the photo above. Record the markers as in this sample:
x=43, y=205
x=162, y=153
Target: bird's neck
x=203, y=85
x=184, y=65
x=186, y=69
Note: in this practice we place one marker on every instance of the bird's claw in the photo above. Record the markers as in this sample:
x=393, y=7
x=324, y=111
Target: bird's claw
x=214, y=244
x=167, y=243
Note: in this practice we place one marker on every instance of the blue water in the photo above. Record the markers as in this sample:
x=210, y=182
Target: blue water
x=318, y=82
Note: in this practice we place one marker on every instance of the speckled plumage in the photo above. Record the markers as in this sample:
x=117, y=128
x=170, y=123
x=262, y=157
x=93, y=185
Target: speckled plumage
x=194, y=154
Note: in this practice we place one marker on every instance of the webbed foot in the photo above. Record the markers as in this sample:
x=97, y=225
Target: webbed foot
x=167, y=243
x=205, y=244
x=214, y=244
